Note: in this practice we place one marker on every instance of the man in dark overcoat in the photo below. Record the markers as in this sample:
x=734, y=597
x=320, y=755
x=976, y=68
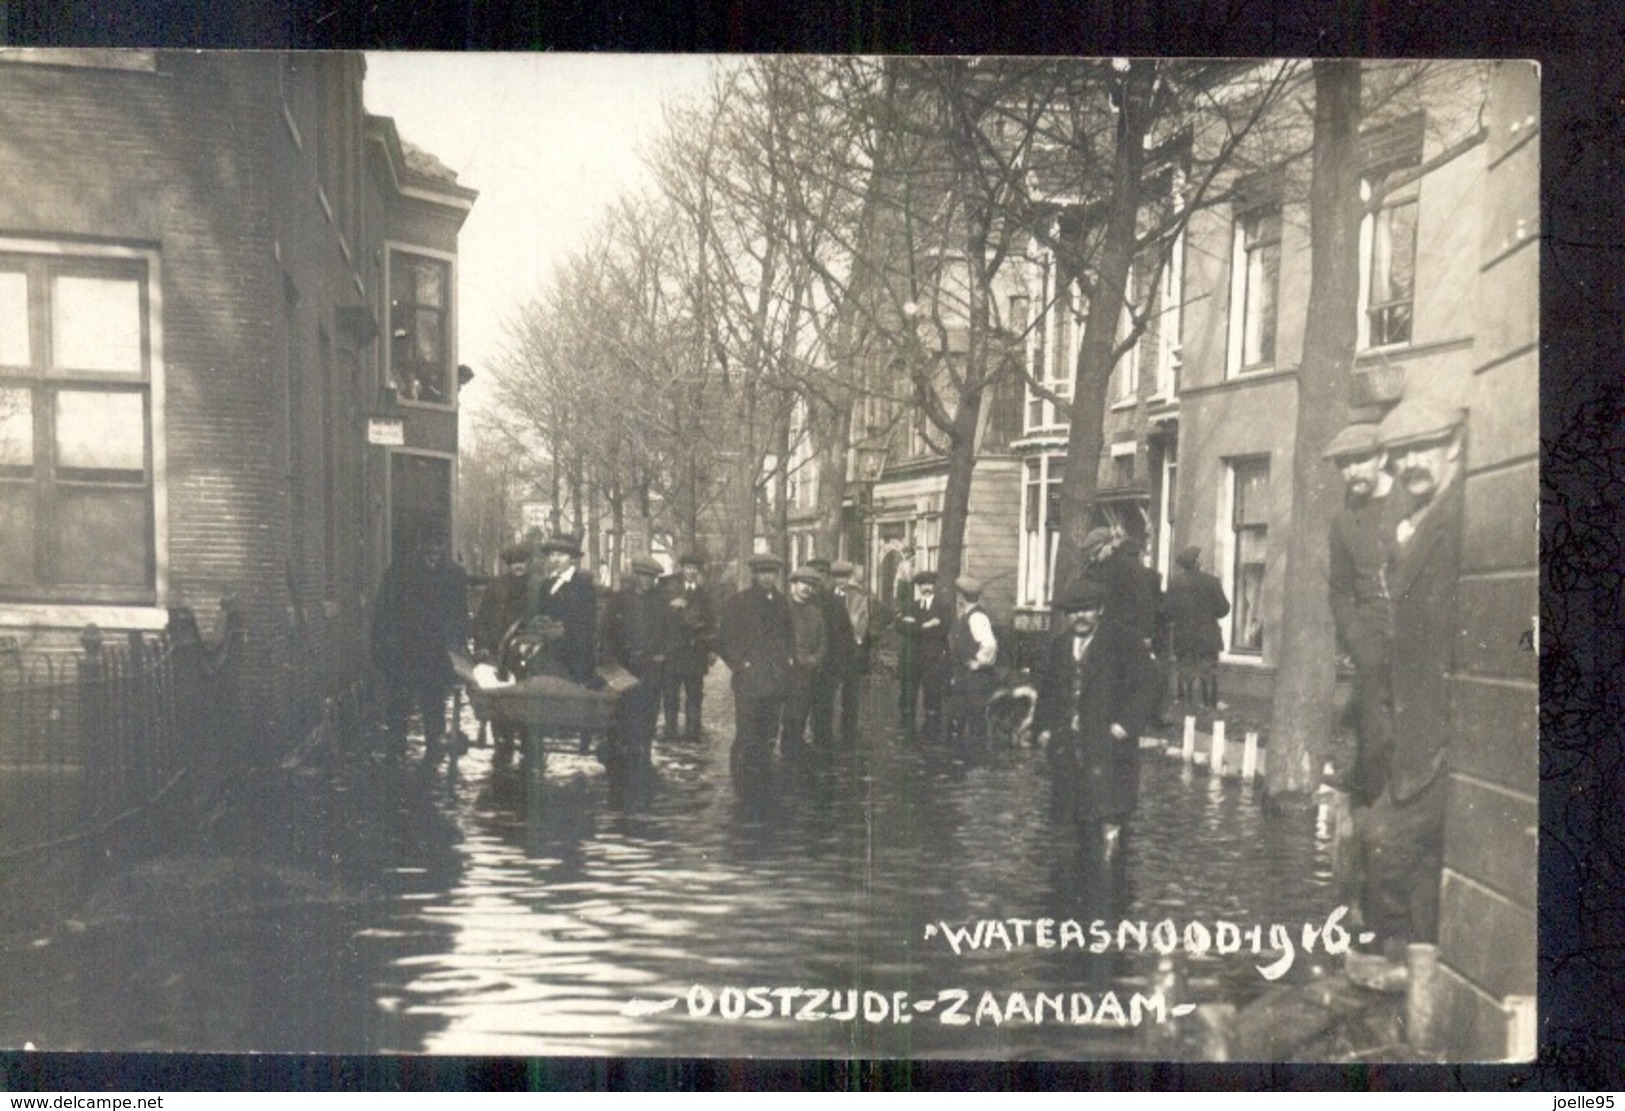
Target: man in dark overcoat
x=1093, y=699
x=1402, y=831
x=693, y=647
x=420, y=615
x=1194, y=603
x=757, y=643
x=925, y=625
x=637, y=632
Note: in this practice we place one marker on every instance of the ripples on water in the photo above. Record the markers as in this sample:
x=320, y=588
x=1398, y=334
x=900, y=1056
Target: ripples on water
x=575, y=912
x=494, y=914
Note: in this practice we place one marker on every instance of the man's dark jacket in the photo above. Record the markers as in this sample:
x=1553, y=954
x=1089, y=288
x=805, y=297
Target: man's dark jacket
x=1427, y=627
x=574, y=605
x=419, y=615
x=757, y=642
x=1194, y=603
x=693, y=629
x=1096, y=776
x=637, y=631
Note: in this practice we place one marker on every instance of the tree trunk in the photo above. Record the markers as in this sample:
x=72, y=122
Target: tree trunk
x=1300, y=719
x=956, y=494
x=1097, y=351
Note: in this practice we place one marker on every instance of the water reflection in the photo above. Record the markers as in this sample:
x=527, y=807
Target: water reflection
x=598, y=913
x=484, y=909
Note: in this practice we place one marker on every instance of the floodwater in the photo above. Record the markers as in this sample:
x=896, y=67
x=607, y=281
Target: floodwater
x=378, y=907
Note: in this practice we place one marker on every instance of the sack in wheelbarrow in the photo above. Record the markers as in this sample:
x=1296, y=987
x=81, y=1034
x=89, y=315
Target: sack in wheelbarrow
x=552, y=703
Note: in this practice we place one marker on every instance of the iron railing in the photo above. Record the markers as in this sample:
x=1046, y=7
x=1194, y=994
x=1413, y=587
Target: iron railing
x=94, y=739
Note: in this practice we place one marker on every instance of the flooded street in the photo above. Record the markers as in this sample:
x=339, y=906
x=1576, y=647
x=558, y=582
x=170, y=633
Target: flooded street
x=383, y=908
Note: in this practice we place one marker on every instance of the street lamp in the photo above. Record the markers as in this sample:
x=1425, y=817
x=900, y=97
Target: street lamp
x=869, y=456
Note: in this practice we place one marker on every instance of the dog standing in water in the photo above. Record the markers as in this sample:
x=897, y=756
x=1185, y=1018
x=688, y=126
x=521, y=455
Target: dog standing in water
x=1010, y=708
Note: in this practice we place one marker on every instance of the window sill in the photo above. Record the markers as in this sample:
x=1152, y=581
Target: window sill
x=438, y=406
x=1123, y=406
x=1245, y=659
x=1255, y=371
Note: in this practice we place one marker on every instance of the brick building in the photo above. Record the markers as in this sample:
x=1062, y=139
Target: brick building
x=218, y=275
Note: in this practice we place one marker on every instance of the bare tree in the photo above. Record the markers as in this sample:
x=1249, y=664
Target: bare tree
x=1341, y=194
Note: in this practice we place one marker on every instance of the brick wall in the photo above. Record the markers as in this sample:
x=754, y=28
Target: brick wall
x=196, y=162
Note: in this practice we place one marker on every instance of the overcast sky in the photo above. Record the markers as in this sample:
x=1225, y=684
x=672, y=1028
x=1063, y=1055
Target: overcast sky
x=549, y=140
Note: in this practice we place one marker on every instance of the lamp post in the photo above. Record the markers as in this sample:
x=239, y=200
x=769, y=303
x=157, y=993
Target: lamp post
x=869, y=456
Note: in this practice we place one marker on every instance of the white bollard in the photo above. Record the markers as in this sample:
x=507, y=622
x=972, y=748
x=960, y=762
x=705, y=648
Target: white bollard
x=1215, y=760
x=1249, y=757
x=1187, y=751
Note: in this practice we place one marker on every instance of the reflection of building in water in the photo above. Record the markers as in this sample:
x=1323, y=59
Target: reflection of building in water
x=200, y=251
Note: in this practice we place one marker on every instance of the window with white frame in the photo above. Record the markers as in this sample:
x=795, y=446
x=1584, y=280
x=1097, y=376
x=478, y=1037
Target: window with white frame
x=1125, y=379
x=420, y=327
x=1249, y=544
x=1254, y=280
x=76, y=460
x=1040, y=532
x=1053, y=348
x=1388, y=269
x=1171, y=321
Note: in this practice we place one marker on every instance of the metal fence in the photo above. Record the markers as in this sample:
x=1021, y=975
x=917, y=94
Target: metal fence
x=95, y=739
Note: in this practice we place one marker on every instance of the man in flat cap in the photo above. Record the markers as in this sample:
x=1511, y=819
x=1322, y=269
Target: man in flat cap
x=1194, y=603
x=693, y=647
x=1402, y=831
x=839, y=652
x=502, y=603
x=637, y=632
x=973, y=649
x=807, y=614
x=758, y=644
x=923, y=658
x=1093, y=700
x=1363, y=535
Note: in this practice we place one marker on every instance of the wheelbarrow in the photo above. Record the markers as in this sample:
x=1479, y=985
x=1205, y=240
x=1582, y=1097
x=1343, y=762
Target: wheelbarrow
x=542, y=708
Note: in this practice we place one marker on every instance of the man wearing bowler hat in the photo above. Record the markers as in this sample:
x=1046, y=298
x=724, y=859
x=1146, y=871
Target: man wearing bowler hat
x=1093, y=700
x=1402, y=831
x=693, y=647
x=565, y=602
x=758, y=644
